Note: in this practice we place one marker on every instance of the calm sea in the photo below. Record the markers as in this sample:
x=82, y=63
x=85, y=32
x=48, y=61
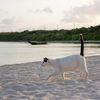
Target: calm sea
x=23, y=52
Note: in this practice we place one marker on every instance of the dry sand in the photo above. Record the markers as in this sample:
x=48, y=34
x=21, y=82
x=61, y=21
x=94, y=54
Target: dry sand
x=27, y=82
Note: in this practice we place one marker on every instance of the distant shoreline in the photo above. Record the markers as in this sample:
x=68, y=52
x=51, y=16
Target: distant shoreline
x=89, y=41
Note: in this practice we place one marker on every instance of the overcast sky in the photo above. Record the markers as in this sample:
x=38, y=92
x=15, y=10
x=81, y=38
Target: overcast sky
x=19, y=15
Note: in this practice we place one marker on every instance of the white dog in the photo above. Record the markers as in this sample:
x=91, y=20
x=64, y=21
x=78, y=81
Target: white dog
x=67, y=64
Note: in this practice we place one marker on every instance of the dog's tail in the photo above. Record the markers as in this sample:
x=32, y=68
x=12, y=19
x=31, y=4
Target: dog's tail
x=82, y=45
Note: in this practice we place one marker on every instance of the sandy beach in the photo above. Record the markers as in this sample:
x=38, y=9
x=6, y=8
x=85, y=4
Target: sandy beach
x=27, y=82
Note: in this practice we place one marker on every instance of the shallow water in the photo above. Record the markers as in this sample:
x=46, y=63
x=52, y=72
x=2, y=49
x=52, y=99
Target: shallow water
x=22, y=52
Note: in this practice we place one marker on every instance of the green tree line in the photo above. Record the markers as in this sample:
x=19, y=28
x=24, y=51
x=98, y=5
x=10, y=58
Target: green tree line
x=90, y=33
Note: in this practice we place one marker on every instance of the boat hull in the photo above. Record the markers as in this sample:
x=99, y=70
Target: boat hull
x=37, y=43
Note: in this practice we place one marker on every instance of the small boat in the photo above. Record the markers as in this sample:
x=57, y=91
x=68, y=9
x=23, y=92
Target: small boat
x=37, y=43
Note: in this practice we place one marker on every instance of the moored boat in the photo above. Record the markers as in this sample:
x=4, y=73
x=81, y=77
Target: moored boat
x=37, y=43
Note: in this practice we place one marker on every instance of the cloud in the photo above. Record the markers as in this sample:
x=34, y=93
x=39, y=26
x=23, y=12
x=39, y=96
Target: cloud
x=86, y=13
x=10, y=20
x=46, y=10
x=37, y=11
